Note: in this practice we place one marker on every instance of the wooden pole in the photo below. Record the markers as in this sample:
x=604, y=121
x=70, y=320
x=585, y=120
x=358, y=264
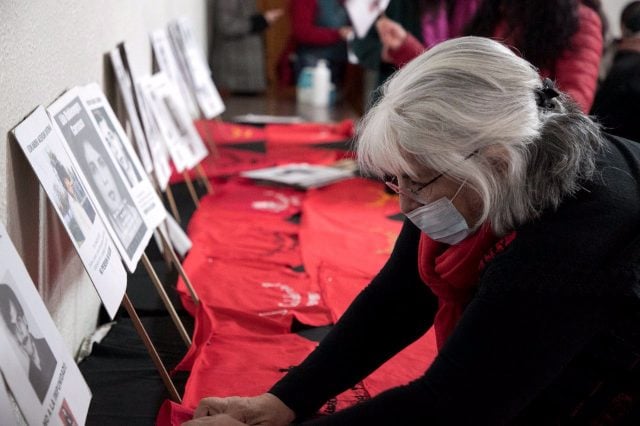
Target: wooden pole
x=203, y=178
x=172, y=204
x=165, y=299
x=137, y=324
x=192, y=190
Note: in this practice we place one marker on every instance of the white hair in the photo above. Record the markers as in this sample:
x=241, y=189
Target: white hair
x=474, y=95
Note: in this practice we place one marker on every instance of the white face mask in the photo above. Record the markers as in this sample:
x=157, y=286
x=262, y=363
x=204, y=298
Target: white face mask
x=441, y=221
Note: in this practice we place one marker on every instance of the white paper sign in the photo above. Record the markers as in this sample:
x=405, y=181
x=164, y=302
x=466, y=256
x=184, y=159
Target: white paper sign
x=70, y=198
x=126, y=91
x=110, y=194
x=122, y=154
x=363, y=13
x=168, y=64
x=191, y=58
x=178, y=135
x=171, y=104
x=42, y=375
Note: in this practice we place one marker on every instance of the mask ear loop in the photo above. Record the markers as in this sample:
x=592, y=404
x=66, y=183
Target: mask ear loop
x=458, y=191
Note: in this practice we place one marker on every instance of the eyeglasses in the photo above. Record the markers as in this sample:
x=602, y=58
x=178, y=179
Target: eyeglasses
x=392, y=182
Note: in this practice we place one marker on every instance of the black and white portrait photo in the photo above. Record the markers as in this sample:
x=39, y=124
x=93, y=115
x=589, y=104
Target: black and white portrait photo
x=116, y=146
x=72, y=200
x=31, y=349
x=102, y=175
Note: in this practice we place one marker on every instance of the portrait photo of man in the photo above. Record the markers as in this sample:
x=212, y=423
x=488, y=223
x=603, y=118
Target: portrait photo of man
x=34, y=354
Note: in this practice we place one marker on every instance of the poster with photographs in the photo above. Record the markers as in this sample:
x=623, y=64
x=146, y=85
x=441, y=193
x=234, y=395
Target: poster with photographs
x=154, y=92
x=125, y=88
x=172, y=108
x=155, y=142
x=122, y=154
x=69, y=195
x=41, y=374
x=192, y=61
x=110, y=194
x=168, y=64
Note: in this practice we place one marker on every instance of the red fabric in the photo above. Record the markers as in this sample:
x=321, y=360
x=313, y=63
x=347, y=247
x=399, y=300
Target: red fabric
x=343, y=221
x=244, y=197
x=242, y=365
x=303, y=25
x=309, y=133
x=221, y=132
x=173, y=414
x=451, y=272
x=227, y=235
x=264, y=289
x=339, y=287
x=407, y=365
x=225, y=321
x=249, y=365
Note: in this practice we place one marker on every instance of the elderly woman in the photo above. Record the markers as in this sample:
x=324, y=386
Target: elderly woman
x=521, y=249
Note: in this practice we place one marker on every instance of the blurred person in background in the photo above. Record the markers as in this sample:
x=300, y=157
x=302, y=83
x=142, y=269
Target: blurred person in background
x=237, y=50
x=617, y=102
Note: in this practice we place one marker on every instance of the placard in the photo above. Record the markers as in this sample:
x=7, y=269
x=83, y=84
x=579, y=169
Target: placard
x=122, y=154
x=157, y=149
x=69, y=195
x=191, y=58
x=154, y=91
x=97, y=169
x=168, y=64
x=43, y=377
x=126, y=91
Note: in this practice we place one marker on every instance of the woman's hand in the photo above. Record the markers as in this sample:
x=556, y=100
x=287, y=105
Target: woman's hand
x=262, y=410
x=273, y=15
x=391, y=34
x=345, y=32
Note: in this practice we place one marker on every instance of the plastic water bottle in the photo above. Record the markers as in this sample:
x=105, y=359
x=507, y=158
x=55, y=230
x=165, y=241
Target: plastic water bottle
x=304, y=88
x=321, y=83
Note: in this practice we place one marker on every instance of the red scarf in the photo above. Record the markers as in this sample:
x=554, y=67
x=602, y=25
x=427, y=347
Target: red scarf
x=452, y=272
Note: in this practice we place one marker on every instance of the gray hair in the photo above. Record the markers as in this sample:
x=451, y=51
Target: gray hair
x=474, y=95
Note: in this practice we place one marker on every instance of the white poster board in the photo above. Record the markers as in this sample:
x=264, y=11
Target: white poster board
x=168, y=64
x=191, y=58
x=157, y=94
x=158, y=152
x=43, y=377
x=70, y=198
x=97, y=169
x=117, y=143
x=363, y=13
x=126, y=91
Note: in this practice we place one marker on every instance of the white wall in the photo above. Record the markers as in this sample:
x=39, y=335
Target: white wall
x=612, y=9
x=45, y=48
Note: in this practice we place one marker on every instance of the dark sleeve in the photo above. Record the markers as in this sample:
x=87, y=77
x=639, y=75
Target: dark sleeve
x=500, y=356
x=393, y=311
x=258, y=23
